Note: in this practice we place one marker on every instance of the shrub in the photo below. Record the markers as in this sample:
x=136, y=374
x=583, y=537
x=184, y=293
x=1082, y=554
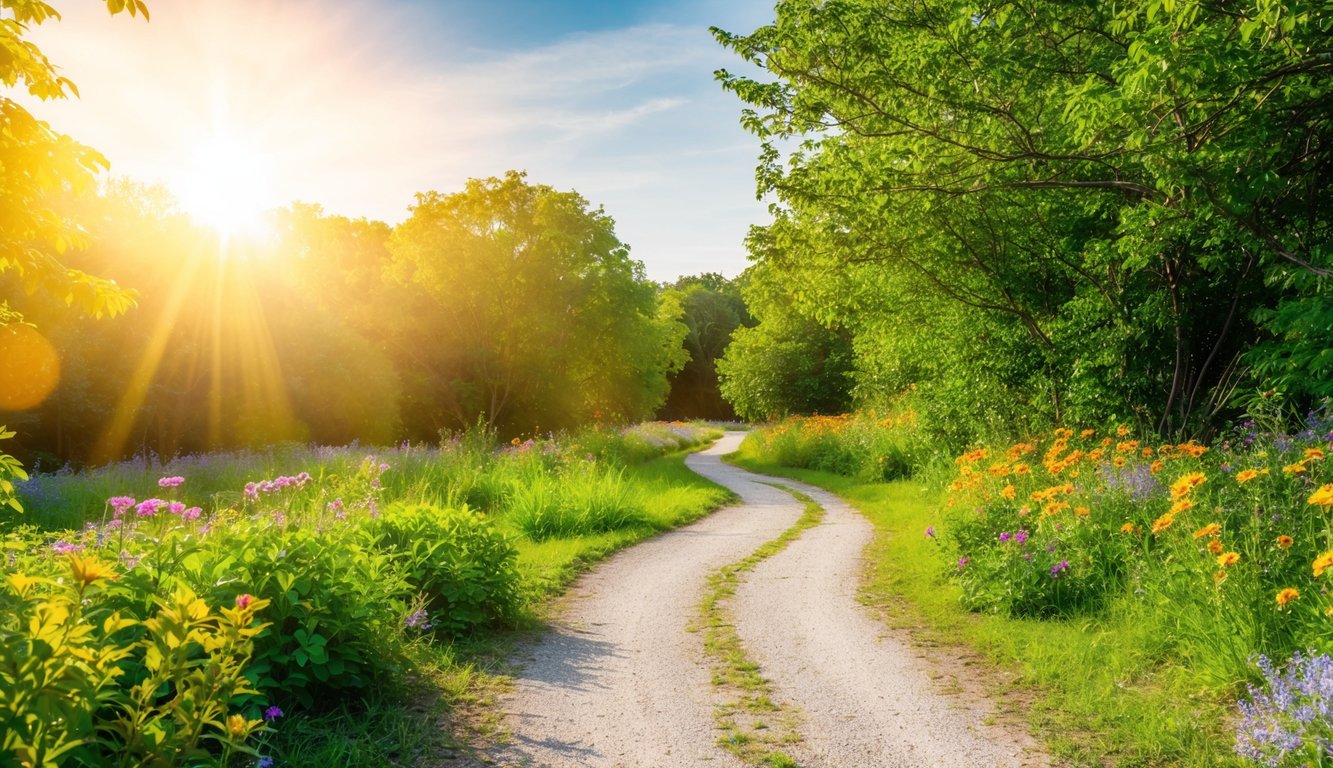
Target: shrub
x=579, y=502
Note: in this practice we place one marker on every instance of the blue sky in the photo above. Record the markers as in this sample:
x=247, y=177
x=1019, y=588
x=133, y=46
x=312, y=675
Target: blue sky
x=359, y=105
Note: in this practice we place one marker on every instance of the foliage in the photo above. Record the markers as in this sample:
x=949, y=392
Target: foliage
x=1289, y=720
x=863, y=445
x=1088, y=211
x=167, y=634
x=536, y=313
x=713, y=309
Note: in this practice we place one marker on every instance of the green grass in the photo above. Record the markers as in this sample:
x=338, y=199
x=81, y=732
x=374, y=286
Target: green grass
x=1097, y=690
x=752, y=723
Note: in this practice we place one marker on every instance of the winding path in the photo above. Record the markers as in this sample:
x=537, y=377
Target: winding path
x=620, y=683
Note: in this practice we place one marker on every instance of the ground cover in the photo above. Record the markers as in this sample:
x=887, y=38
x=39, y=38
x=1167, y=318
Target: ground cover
x=303, y=606
x=1134, y=644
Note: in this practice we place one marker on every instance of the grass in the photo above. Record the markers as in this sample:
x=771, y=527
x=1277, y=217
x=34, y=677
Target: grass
x=1097, y=690
x=744, y=717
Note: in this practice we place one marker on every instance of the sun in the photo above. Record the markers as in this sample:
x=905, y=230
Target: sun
x=225, y=187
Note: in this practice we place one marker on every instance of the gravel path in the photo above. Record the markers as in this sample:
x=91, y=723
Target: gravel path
x=619, y=682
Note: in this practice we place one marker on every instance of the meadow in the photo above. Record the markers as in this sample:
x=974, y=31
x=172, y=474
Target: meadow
x=1159, y=604
x=304, y=605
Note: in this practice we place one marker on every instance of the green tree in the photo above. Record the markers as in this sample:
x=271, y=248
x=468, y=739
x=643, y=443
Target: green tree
x=38, y=162
x=532, y=313
x=1131, y=186
x=713, y=309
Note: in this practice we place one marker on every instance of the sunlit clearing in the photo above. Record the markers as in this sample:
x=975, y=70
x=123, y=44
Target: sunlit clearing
x=225, y=187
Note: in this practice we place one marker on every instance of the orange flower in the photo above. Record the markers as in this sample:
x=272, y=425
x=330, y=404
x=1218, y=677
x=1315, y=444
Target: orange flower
x=1246, y=475
x=1181, y=505
x=1284, y=541
x=1314, y=453
x=1211, y=529
x=1054, y=508
x=1121, y=430
x=1215, y=546
x=1294, y=469
x=1156, y=466
x=1187, y=483
x=1085, y=434
x=1228, y=558
x=1163, y=522
x=1287, y=595
x=1082, y=511
x=1219, y=577
x=1323, y=563
x=1021, y=469
x=1129, y=528
x=1146, y=453
x=1322, y=497
x=1192, y=448
x=1129, y=446
x=1009, y=492
x=1118, y=461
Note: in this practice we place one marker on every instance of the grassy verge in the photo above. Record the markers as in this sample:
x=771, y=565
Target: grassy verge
x=1097, y=690
x=754, y=726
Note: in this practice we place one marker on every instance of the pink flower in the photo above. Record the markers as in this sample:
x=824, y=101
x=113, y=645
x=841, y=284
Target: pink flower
x=119, y=504
x=149, y=507
x=175, y=507
x=191, y=514
x=170, y=482
x=244, y=601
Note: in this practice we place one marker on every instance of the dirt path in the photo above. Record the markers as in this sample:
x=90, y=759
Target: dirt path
x=619, y=682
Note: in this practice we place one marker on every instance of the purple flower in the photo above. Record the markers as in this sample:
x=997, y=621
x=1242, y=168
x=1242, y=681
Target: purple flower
x=962, y=563
x=170, y=482
x=271, y=714
x=418, y=621
x=176, y=508
x=384, y=467
x=120, y=503
x=191, y=514
x=63, y=547
x=264, y=762
x=149, y=507
x=1059, y=567
x=128, y=560
x=1021, y=536
x=252, y=491
x=1005, y=536
x=930, y=531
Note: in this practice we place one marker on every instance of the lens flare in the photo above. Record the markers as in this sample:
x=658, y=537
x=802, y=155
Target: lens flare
x=30, y=369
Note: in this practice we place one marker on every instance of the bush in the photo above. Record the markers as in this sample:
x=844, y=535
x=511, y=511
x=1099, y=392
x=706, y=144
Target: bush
x=579, y=502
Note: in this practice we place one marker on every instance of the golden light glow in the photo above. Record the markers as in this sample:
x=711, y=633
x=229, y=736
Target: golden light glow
x=31, y=369
x=225, y=187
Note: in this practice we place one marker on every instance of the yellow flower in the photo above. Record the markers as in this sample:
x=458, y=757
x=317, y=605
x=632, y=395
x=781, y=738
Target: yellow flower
x=1284, y=541
x=515, y=441
x=1163, y=522
x=1211, y=529
x=1322, y=497
x=1181, y=505
x=1228, y=558
x=239, y=728
x=1294, y=469
x=1323, y=563
x=1082, y=511
x=1054, y=508
x=1146, y=453
x=1118, y=461
x=1121, y=430
x=1246, y=475
x=1219, y=577
x=87, y=570
x=1009, y=492
x=1156, y=466
x=1187, y=483
x=1287, y=595
x=1021, y=469
x=1215, y=547
x=1129, y=446
x=1085, y=434
x=1128, y=528
x=1314, y=453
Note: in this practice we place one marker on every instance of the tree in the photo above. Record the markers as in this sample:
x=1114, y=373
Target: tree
x=1131, y=186
x=713, y=310
x=532, y=313
x=37, y=162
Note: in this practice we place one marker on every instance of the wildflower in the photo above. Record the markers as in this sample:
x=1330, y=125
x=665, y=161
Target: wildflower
x=1317, y=454
x=1246, y=475
x=1187, y=483
x=1323, y=563
x=962, y=563
x=930, y=531
x=1322, y=497
x=1285, y=541
x=1118, y=461
x=1129, y=528
x=1082, y=511
x=87, y=570
x=382, y=468
x=1058, y=568
x=252, y=491
x=1294, y=469
x=1219, y=577
x=244, y=601
x=1022, y=469
x=1287, y=595
x=515, y=441
x=63, y=547
x=1121, y=430
x=271, y=714
x=1181, y=505
x=1211, y=529
x=1286, y=720
x=1005, y=536
x=149, y=507
x=1215, y=547
x=1021, y=536
x=176, y=508
x=191, y=514
x=170, y=482
x=120, y=503
x=1163, y=522
x=264, y=762
x=1228, y=558
x=419, y=621
x=1009, y=492
x=239, y=728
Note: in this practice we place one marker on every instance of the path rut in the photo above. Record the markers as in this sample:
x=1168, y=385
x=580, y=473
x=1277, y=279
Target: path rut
x=619, y=682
